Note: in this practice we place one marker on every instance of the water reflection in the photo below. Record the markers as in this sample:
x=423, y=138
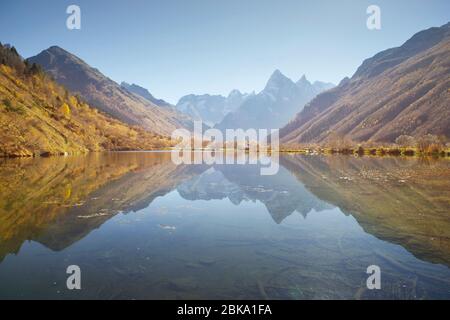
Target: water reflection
x=57, y=201
x=142, y=227
x=405, y=201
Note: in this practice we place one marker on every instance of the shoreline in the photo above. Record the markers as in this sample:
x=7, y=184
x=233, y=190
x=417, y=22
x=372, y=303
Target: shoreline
x=372, y=152
x=375, y=151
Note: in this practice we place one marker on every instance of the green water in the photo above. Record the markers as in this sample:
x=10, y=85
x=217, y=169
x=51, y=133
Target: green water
x=140, y=227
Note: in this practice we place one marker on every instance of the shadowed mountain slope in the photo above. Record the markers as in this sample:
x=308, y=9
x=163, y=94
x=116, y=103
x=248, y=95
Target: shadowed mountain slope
x=144, y=93
x=106, y=95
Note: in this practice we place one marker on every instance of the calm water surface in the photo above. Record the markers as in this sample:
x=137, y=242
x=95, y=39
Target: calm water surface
x=141, y=227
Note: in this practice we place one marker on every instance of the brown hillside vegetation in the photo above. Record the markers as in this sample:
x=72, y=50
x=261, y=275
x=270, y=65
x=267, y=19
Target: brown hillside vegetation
x=400, y=91
x=39, y=117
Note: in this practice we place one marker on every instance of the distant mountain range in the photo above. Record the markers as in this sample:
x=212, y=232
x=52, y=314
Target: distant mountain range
x=274, y=106
x=108, y=96
x=211, y=109
x=399, y=91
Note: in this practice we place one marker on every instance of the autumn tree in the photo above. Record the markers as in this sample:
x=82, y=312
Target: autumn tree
x=65, y=110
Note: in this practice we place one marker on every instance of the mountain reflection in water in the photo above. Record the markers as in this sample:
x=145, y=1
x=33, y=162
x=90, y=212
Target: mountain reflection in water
x=141, y=227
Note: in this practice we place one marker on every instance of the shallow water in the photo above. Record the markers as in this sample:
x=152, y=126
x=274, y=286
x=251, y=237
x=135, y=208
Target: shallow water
x=141, y=227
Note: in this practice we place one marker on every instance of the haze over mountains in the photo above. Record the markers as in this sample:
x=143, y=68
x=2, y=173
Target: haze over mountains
x=211, y=109
x=106, y=95
x=274, y=106
x=399, y=91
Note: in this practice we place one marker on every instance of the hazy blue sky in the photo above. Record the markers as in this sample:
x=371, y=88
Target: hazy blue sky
x=180, y=47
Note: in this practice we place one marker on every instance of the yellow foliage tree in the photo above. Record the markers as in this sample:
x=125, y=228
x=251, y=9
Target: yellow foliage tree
x=65, y=110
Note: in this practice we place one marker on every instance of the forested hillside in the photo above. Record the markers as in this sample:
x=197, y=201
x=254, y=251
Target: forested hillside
x=40, y=117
